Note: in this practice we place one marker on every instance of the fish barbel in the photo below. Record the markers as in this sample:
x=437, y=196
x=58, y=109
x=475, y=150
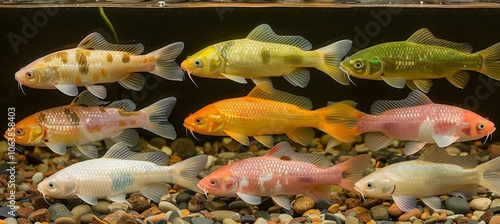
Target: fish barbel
x=281, y=173
x=263, y=112
x=88, y=119
x=120, y=172
x=95, y=61
x=415, y=119
x=263, y=54
x=419, y=59
x=434, y=173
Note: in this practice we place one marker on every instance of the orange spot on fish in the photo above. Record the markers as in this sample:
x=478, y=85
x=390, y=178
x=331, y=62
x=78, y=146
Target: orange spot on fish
x=103, y=73
x=95, y=78
x=133, y=122
x=94, y=130
x=63, y=55
x=122, y=123
x=286, y=158
x=78, y=80
x=125, y=58
x=109, y=57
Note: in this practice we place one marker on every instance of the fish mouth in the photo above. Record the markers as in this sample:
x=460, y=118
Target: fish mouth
x=203, y=189
x=43, y=195
x=348, y=73
x=360, y=192
x=190, y=129
x=20, y=84
x=186, y=69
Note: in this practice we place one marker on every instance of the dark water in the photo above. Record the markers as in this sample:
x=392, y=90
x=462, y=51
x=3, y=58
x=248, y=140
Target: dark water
x=29, y=33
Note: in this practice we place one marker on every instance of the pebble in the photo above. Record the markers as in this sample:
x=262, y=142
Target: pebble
x=41, y=215
x=214, y=205
x=115, y=206
x=64, y=220
x=323, y=204
x=481, y=204
x=24, y=212
x=182, y=197
x=196, y=203
x=361, y=148
x=37, y=178
x=352, y=203
x=262, y=214
x=87, y=218
x=156, y=218
x=406, y=216
x=138, y=202
x=494, y=151
x=495, y=219
x=119, y=217
x=457, y=204
x=220, y=215
x=302, y=204
x=183, y=147
x=394, y=210
x=352, y=220
x=247, y=219
x=166, y=206
x=101, y=207
x=228, y=221
x=260, y=221
x=285, y=218
x=495, y=203
x=334, y=208
x=81, y=210
x=58, y=210
x=238, y=204
x=201, y=220
x=379, y=213
x=10, y=220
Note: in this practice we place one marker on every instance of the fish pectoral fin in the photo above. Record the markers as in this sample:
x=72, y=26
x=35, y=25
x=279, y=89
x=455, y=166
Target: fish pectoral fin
x=88, y=198
x=96, y=41
x=433, y=202
x=411, y=85
x=405, y=203
x=266, y=91
x=58, y=148
x=320, y=191
x=282, y=200
x=284, y=151
x=424, y=36
x=415, y=98
x=299, y=77
x=128, y=136
x=413, y=147
x=376, y=140
x=444, y=140
x=97, y=90
x=466, y=192
x=303, y=136
x=118, y=198
x=459, y=79
x=333, y=142
x=155, y=191
x=235, y=78
x=86, y=98
x=264, y=33
x=68, y=89
x=396, y=82
x=88, y=150
x=241, y=138
x=109, y=143
x=423, y=85
x=250, y=199
x=258, y=80
x=266, y=140
x=133, y=81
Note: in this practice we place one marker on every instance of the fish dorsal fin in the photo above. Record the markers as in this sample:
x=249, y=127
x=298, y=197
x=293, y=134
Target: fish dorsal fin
x=284, y=151
x=424, y=36
x=86, y=98
x=264, y=33
x=121, y=151
x=435, y=154
x=96, y=41
x=266, y=91
x=415, y=98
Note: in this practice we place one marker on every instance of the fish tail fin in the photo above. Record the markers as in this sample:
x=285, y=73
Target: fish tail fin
x=491, y=61
x=158, y=118
x=340, y=120
x=166, y=67
x=490, y=176
x=333, y=54
x=187, y=171
x=352, y=170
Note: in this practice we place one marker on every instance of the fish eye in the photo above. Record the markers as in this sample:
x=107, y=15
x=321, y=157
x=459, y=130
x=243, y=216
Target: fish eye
x=29, y=75
x=19, y=131
x=198, y=120
x=370, y=185
x=198, y=63
x=213, y=182
x=52, y=185
x=358, y=64
x=480, y=126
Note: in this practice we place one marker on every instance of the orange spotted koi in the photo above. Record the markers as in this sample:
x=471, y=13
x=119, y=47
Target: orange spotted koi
x=88, y=119
x=96, y=61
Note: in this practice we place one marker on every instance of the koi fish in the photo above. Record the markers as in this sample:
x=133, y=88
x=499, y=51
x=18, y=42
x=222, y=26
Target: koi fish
x=88, y=119
x=263, y=112
x=434, y=173
x=415, y=119
x=95, y=61
x=120, y=172
x=421, y=58
x=263, y=54
x=283, y=172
